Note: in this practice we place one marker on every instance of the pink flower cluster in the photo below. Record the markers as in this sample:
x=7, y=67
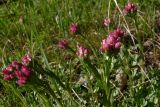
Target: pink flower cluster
x=19, y=71
x=73, y=27
x=106, y=22
x=82, y=51
x=62, y=44
x=130, y=8
x=113, y=41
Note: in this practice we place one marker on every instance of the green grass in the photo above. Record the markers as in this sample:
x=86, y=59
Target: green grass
x=68, y=80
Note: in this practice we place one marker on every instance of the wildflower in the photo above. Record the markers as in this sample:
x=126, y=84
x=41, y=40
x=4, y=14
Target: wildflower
x=113, y=41
x=82, y=51
x=18, y=70
x=62, y=44
x=130, y=8
x=73, y=27
x=106, y=22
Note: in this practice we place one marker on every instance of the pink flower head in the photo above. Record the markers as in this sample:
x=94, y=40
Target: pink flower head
x=9, y=77
x=6, y=72
x=26, y=59
x=9, y=67
x=82, y=51
x=16, y=65
x=73, y=27
x=22, y=78
x=19, y=74
x=130, y=8
x=113, y=33
x=17, y=70
x=62, y=44
x=119, y=32
x=105, y=44
x=113, y=41
x=12, y=75
x=106, y=22
x=26, y=71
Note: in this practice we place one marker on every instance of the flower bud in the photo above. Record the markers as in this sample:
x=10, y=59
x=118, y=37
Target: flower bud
x=130, y=8
x=26, y=59
x=26, y=71
x=73, y=27
x=117, y=45
x=82, y=51
x=106, y=22
x=6, y=72
x=62, y=44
